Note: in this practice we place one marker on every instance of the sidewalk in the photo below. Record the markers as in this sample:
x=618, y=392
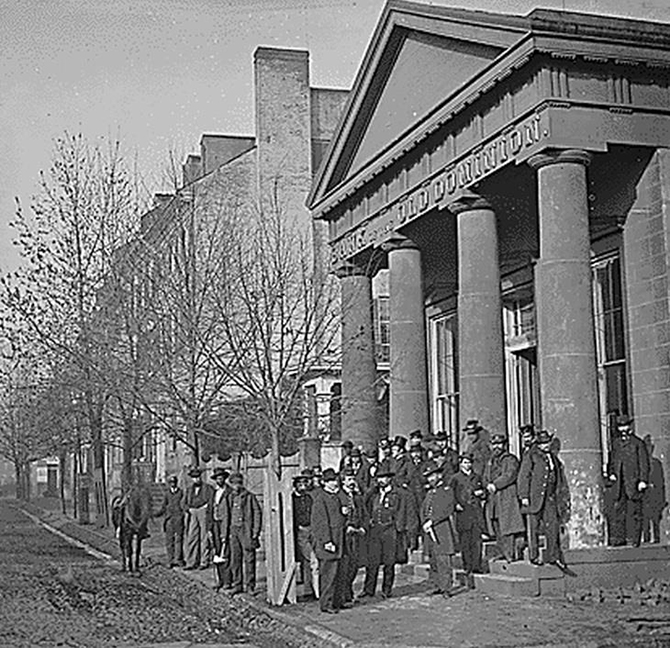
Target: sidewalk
x=413, y=618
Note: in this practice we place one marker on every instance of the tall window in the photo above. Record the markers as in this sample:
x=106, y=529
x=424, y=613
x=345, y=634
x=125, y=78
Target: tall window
x=382, y=326
x=444, y=374
x=610, y=341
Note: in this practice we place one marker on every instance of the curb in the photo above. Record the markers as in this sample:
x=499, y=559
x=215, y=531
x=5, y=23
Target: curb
x=319, y=632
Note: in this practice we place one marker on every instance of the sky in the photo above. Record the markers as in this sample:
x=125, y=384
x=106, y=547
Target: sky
x=159, y=73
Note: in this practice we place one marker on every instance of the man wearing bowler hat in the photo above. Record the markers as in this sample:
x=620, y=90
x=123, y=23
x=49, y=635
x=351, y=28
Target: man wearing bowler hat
x=328, y=524
x=196, y=501
x=628, y=472
x=244, y=530
x=217, y=522
x=541, y=487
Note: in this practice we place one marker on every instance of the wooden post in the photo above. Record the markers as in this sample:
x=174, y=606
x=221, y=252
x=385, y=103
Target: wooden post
x=279, y=547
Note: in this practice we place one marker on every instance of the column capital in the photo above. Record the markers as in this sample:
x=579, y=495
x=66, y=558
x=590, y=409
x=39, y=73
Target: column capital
x=349, y=269
x=469, y=201
x=399, y=242
x=558, y=156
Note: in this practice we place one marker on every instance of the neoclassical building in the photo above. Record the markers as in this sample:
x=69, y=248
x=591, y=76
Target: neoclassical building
x=512, y=173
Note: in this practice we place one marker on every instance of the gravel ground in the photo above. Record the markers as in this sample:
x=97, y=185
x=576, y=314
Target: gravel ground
x=54, y=594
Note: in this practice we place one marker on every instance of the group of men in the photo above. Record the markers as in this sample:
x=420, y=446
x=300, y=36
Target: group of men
x=379, y=507
x=219, y=525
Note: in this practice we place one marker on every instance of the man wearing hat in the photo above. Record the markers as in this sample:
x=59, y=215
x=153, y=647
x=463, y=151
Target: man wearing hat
x=360, y=469
x=302, y=532
x=400, y=462
x=172, y=507
x=437, y=522
x=245, y=523
x=416, y=483
x=541, y=487
x=445, y=456
x=384, y=458
x=217, y=521
x=502, y=513
x=391, y=515
x=469, y=493
x=196, y=502
x=527, y=433
x=328, y=522
x=628, y=472
x=415, y=438
x=477, y=445
x=353, y=506
x=347, y=446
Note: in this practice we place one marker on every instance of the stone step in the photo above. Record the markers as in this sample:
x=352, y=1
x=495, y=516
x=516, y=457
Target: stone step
x=525, y=570
x=506, y=585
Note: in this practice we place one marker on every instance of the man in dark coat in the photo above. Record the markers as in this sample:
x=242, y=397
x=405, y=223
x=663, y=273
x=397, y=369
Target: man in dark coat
x=542, y=489
x=360, y=468
x=391, y=514
x=355, y=530
x=437, y=511
x=217, y=526
x=469, y=493
x=445, y=456
x=196, y=500
x=245, y=520
x=477, y=445
x=347, y=446
x=328, y=523
x=628, y=471
x=653, y=502
x=384, y=456
x=400, y=462
x=502, y=513
x=417, y=484
x=172, y=507
x=302, y=533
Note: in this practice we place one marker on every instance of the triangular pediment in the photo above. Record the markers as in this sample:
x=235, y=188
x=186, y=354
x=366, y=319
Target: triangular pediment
x=419, y=56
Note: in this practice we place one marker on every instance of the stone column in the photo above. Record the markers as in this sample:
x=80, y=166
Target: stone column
x=480, y=337
x=566, y=341
x=359, y=371
x=409, y=382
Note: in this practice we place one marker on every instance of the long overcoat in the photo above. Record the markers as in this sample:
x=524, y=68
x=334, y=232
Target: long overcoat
x=328, y=522
x=503, y=505
x=439, y=506
x=533, y=478
x=471, y=516
x=629, y=462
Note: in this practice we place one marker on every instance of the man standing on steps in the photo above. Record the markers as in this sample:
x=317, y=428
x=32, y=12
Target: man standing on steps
x=503, y=517
x=196, y=502
x=328, y=523
x=469, y=493
x=628, y=471
x=437, y=521
x=541, y=486
x=477, y=445
x=172, y=507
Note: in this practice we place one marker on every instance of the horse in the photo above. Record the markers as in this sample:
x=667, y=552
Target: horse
x=130, y=516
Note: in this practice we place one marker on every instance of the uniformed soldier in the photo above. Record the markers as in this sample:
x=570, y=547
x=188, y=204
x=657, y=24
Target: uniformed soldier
x=469, y=493
x=437, y=522
x=542, y=489
x=502, y=513
x=387, y=514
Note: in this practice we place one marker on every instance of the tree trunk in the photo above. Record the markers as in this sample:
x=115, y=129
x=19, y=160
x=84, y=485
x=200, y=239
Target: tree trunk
x=275, y=458
x=19, y=480
x=127, y=471
x=62, y=463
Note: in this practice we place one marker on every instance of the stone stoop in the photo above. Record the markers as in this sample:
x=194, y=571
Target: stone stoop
x=506, y=585
x=550, y=580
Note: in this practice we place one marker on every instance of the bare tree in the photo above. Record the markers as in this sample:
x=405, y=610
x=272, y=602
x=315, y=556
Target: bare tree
x=87, y=208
